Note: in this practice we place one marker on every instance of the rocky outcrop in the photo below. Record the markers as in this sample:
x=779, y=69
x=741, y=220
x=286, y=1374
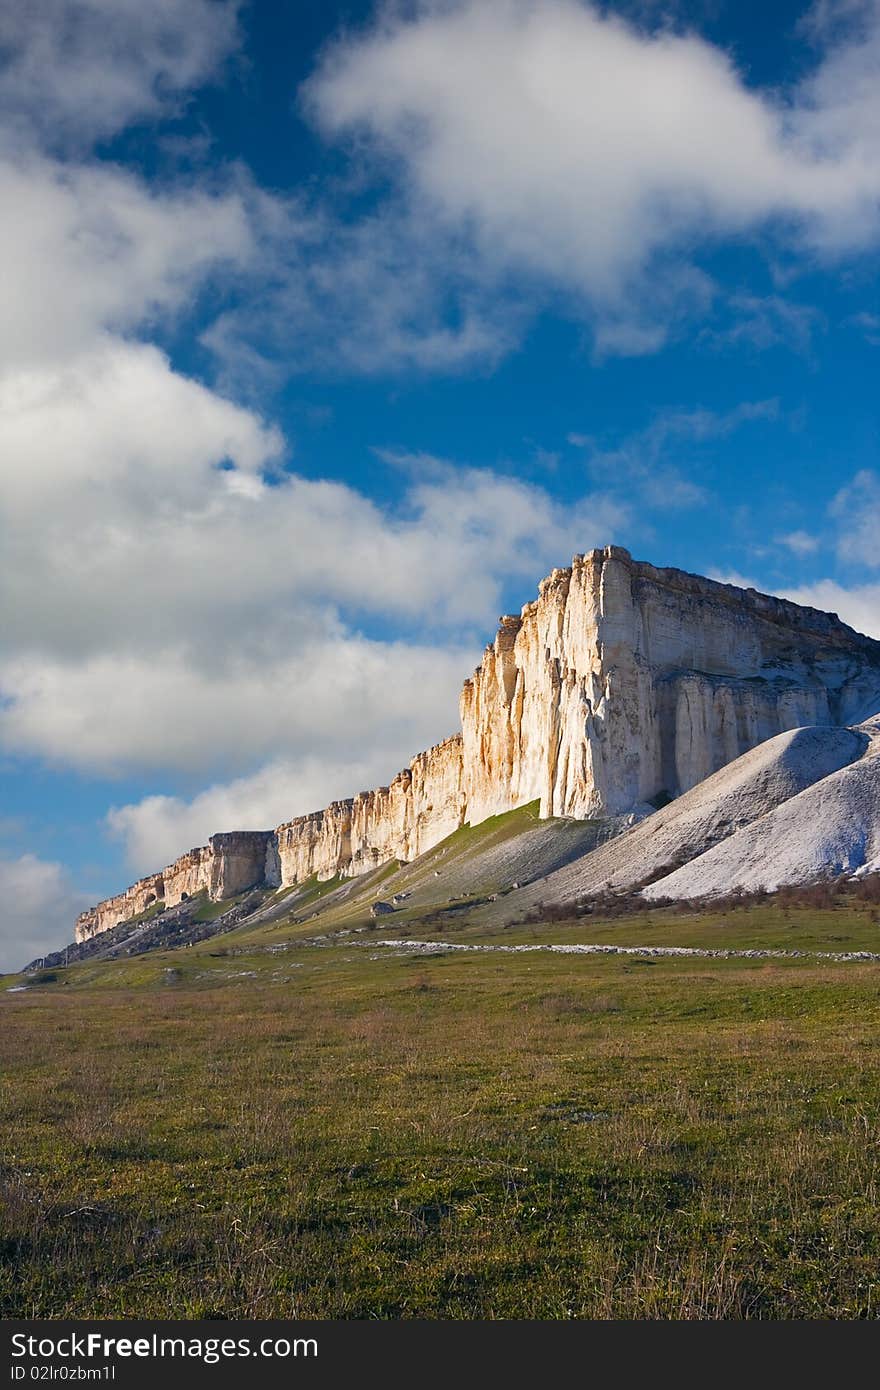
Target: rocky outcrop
x=620, y=685
x=420, y=807
x=229, y=864
x=113, y=911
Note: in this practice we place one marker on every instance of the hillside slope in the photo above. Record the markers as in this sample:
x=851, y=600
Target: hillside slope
x=743, y=792
x=830, y=828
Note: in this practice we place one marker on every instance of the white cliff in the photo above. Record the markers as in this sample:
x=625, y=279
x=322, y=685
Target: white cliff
x=623, y=683
x=620, y=685
x=227, y=865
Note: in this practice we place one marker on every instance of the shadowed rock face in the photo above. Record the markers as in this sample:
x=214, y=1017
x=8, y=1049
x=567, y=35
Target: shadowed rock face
x=620, y=684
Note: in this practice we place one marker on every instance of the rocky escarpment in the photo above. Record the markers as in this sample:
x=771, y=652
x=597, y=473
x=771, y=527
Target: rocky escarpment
x=422, y=805
x=620, y=685
x=229, y=864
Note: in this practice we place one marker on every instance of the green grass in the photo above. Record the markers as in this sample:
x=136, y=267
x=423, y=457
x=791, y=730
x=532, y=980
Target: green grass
x=763, y=926
x=337, y=1131
x=494, y=829
x=453, y=870
x=207, y=911
x=314, y=889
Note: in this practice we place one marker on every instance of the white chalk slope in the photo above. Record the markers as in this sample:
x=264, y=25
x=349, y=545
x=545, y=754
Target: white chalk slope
x=831, y=827
x=742, y=793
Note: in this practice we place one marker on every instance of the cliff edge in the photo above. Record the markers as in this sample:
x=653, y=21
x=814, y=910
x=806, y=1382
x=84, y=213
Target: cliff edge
x=621, y=685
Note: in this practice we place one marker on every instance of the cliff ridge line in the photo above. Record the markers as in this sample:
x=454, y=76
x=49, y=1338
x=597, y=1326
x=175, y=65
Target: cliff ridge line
x=619, y=684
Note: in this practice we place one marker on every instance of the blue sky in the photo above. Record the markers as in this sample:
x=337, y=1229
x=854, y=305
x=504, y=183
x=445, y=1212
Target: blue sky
x=329, y=329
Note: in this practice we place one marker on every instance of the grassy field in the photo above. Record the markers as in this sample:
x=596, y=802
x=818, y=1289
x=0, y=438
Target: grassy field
x=261, y=1127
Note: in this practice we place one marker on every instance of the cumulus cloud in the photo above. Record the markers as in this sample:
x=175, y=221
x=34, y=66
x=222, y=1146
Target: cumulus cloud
x=166, y=710
x=80, y=70
x=39, y=905
x=177, y=600
x=546, y=153
x=92, y=251
x=157, y=829
x=573, y=147
x=204, y=584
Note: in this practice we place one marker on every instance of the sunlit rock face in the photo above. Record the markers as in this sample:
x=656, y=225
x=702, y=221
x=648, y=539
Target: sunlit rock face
x=421, y=806
x=227, y=865
x=135, y=900
x=620, y=685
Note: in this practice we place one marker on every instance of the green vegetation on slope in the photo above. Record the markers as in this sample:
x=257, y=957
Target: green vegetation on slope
x=471, y=866
x=493, y=830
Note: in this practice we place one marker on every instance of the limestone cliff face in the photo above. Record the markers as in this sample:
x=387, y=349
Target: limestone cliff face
x=227, y=865
x=619, y=684
x=623, y=682
x=122, y=908
x=420, y=807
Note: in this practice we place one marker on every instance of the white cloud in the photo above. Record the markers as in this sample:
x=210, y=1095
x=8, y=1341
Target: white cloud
x=799, y=542
x=327, y=692
x=858, y=605
x=869, y=326
x=91, y=251
x=157, y=829
x=740, y=581
x=117, y=507
x=826, y=19
x=39, y=905
x=74, y=70
x=837, y=122
x=91, y=245
x=160, y=607
x=572, y=147
x=766, y=321
x=368, y=294
x=626, y=337
x=701, y=424
x=857, y=510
